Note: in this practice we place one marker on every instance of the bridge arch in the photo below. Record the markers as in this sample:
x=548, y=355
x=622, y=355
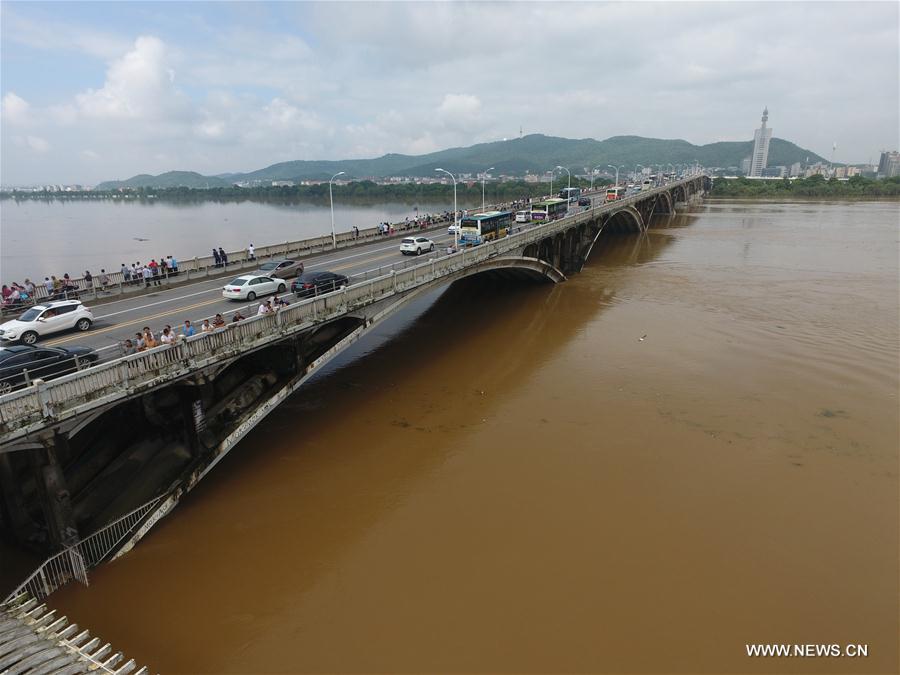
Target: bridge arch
x=677, y=195
x=626, y=219
x=664, y=204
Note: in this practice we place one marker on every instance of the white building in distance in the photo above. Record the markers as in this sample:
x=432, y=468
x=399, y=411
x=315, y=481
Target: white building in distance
x=761, y=138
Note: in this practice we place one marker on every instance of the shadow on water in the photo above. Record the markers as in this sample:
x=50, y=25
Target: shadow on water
x=319, y=474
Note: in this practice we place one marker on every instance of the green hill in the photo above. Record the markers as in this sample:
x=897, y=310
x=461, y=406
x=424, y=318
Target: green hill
x=535, y=153
x=170, y=179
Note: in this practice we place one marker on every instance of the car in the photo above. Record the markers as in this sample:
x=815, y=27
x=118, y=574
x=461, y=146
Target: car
x=453, y=229
x=584, y=201
x=20, y=364
x=282, y=269
x=416, y=245
x=523, y=216
x=45, y=319
x=251, y=286
x=309, y=284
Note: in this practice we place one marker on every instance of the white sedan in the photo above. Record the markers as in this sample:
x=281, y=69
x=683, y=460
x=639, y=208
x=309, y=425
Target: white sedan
x=251, y=286
x=416, y=245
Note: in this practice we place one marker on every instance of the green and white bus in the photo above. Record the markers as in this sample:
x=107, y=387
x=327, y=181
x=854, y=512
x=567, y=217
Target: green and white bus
x=481, y=227
x=549, y=209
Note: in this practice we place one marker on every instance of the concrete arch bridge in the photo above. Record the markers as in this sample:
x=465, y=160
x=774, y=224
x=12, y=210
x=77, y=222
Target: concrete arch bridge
x=78, y=452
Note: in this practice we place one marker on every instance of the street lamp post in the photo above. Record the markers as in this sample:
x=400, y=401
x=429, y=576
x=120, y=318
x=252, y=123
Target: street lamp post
x=483, y=176
x=331, y=199
x=455, y=211
x=551, y=182
x=617, y=173
x=568, y=172
x=593, y=171
x=636, y=171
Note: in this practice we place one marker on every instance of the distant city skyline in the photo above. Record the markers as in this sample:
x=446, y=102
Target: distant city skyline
x=96, y=91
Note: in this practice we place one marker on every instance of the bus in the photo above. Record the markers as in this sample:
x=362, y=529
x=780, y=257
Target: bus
x=614, y=193
x=549, y=209
x=571, y=195
x=481, y=227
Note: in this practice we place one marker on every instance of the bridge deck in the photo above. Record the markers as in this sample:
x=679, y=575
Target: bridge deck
x=47, y=404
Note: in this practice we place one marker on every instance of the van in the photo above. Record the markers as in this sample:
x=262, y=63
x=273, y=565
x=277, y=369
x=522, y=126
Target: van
x=523, y=216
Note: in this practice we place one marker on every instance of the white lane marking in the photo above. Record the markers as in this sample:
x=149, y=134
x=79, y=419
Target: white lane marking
x=223, y=282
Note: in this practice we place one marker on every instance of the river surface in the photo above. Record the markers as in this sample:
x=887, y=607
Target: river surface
x=40, y=238
x=690, y=446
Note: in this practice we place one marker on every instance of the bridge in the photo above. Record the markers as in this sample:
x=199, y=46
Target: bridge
x=111, y=449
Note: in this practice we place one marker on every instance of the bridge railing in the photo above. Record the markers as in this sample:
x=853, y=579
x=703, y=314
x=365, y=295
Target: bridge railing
x=73, y=562
x=29, y=409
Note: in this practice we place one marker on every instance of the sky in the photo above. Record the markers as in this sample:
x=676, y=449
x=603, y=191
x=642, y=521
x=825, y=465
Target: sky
x=102, y=91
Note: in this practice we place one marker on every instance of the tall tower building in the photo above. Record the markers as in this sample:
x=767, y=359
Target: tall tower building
x=761, y=138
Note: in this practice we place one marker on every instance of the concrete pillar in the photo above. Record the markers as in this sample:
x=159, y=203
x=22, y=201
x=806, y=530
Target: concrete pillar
x=12, y=505
x=53, y=492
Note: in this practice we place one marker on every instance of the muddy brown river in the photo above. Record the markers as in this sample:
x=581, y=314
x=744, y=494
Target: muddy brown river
x=688, y=447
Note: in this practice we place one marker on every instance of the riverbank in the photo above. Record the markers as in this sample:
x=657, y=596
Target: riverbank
x=359, y=193
x=816, y=187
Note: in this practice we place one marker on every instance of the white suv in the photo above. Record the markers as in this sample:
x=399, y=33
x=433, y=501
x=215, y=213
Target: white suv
x=416, y=245
x=47, y=318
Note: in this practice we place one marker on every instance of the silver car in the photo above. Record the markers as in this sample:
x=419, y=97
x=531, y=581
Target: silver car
x=283, y=269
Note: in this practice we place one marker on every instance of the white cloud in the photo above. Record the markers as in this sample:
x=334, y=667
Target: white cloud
x=240, y=86
x=15, y=109
x=139, y=85
x=37, y=143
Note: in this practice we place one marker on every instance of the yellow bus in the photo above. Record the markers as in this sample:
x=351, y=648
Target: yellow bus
x=549, y=209
x=481, y=227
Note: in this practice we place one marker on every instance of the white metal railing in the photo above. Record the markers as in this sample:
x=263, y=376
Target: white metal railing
x=73, y=562
x=27, y=409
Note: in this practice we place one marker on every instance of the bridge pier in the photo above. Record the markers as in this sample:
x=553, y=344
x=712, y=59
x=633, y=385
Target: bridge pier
x=52, y=490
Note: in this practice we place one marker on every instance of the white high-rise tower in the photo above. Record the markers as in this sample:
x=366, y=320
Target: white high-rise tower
x=761, y=138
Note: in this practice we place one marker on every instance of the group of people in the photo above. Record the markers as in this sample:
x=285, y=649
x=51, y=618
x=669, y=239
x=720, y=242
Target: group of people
x=147, y=339
x=220, y=257
x=150, y=274
x=18, y=295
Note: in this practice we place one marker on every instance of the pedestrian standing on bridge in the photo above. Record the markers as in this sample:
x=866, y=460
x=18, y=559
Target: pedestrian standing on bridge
x=88, y=280
x=218, y=321
x=223, y=257
x=150, y=339
x=167, y=337
x=237, y=317
x=173, y=265
x=126, y=274
x=147, y=274
x=206, y=327
x=216, y=258
x=104, y=280
x=251, y=252
x=128, y=348
x=188, y=329
x=139, y=343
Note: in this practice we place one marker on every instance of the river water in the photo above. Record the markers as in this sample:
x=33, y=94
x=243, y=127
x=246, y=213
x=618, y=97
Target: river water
x=690, y=446
x=39, y=238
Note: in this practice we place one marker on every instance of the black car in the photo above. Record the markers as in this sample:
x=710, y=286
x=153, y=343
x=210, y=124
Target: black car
x=21, y=364
x=317, y=283
x=584, y=201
